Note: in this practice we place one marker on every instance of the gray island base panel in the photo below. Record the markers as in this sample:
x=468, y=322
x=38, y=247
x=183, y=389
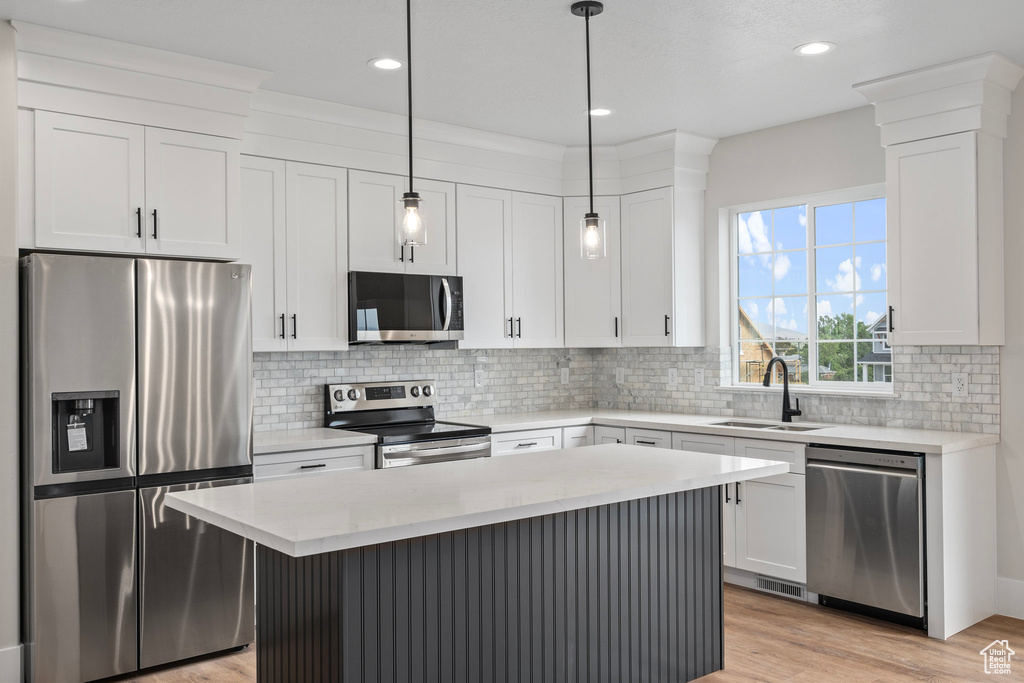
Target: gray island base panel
x=628, y=591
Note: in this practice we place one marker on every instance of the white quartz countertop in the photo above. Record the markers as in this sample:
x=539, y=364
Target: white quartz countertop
x=311, y=515
x=863, y=436
x=307, y=439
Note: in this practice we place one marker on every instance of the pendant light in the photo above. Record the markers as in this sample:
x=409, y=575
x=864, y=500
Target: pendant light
x=414, y=233
x=593, y=244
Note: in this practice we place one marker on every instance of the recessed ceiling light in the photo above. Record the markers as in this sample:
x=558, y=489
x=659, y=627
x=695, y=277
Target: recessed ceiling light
x=600, y=111
x=385, y=63
x=815, y=48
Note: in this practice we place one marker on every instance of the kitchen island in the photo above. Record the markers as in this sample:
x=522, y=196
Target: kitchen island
x=596, y=563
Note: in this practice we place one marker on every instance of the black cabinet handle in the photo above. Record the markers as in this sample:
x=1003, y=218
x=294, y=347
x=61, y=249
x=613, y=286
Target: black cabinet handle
x=312, y=467
x=511, y=333
x=519, y=328
x=646, y=443
x=154, y=223
x=412, y=254
x=282, y=326
x=667, y=333
x=738, y=500
x=616, y=327
x=618, y=440
x=402, y=256
x=526, y=445
x=295, y=326
x=726, y=493
x=890, y=321
x=138, y=222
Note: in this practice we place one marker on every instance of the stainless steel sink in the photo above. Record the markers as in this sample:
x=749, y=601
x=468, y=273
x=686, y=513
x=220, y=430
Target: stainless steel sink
x=748, y=425
x=795, y=428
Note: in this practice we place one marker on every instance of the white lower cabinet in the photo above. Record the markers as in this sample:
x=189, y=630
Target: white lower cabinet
x=609, y=434
x=704, y=443
x=575, y=437
x=288, y=464
x=510, y=443
x=649, y=437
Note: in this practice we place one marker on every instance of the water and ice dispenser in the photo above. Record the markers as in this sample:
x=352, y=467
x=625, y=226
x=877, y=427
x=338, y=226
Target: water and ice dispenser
x=86, y=431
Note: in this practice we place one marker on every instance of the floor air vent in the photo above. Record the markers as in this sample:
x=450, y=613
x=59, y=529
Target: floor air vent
x=790, y=590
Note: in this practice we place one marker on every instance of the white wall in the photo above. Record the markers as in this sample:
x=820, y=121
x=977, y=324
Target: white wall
x=1010, y=463
x=816, y=155
x=10, y=653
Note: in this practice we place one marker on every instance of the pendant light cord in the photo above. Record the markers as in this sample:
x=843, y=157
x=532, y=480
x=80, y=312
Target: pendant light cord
x=590, y=117
x=408, y=59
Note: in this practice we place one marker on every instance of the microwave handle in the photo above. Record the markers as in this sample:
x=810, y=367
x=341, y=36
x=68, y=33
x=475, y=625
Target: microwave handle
x=447, y=304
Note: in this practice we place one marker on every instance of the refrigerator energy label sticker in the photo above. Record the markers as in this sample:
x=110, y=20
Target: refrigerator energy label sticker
x=77, y=440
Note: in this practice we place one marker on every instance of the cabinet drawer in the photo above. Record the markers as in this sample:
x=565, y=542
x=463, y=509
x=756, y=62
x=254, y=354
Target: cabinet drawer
x=773, y=450
x=317, y=461
x=704, y=443
x=609, y=434
x=574, y=437
x=523, y=442
x=649, y=437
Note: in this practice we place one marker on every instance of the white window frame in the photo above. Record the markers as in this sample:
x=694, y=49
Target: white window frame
x=812, y=201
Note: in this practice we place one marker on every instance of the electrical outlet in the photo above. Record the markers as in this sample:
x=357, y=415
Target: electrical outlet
x=478, y=377
x=620, y=375
x=698, y=377
x=565, y=375
x=959, y=384
x=673, y=377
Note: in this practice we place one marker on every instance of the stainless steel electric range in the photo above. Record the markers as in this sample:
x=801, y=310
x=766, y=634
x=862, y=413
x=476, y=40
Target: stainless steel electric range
x=401, y=416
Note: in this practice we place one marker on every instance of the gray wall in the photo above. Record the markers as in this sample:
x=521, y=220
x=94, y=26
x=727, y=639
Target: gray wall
x=10, y=655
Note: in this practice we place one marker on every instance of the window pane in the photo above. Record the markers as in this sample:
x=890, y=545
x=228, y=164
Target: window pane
x=871, y=269
x=836, y=361
x=754, y=357
x=874, y=361
x=795, y=355
x=833, y=224
x=790, y=271
x=756, y=319
x=790, y=318
x=790, y=228
x=870, y=218
x=755, y=275
x=871, y=310
x=834, y=269
x=835, y=317
x=754, y=232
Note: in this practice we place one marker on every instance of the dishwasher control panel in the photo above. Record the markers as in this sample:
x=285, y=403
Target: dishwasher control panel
x=866, y=458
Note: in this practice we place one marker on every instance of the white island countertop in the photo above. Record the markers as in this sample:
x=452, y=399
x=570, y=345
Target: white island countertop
x=312, y=515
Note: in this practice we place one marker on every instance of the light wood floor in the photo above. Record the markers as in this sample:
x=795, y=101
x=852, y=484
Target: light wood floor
x=773, y=639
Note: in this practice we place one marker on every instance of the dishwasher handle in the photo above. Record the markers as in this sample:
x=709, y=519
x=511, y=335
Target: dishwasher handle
x=887, y=471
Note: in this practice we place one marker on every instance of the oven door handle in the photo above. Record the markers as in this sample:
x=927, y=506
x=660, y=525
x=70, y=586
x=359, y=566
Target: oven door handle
x=447, y=304
x=425, y=456
x=441, y=450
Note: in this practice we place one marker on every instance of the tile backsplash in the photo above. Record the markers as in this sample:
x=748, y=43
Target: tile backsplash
x=289, y=386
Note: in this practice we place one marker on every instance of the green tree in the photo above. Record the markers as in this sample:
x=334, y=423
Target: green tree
x=839, y=357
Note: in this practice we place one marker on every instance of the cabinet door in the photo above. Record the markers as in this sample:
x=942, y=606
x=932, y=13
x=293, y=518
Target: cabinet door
x=263, y=245
x=609, y=435
x=575, y=437
x=317, y=258
x=932, y=223
x=771, y=526
x=649, y=437
x=593, y=287
x=192, y=185
x=90, y=179
x=647, y=268
x=376, y=219
x=485, y=264
x=537, y=270
x=437, y=256
x=704, y=443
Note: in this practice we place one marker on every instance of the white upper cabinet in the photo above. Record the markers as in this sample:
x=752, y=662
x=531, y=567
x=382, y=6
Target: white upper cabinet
x=109, y=186
x=90, y=182
x=537, y=270
x=647, y=301
x=264, y=247
x=944, y=222
x=375, y=230
x=192, y=194
x=317, y=258
x=485, y=264
x=593, y=287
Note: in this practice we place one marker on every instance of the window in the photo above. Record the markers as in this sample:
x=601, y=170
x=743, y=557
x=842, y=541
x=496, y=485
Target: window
x=809, y=285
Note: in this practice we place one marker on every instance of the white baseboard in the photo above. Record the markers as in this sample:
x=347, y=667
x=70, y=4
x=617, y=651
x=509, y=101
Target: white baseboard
x=10, y=663
x=1010, y=597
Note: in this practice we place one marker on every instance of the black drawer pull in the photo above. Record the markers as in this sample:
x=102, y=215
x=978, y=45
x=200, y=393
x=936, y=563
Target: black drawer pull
x=526, y=445
x=312, y=467
x=647, y=443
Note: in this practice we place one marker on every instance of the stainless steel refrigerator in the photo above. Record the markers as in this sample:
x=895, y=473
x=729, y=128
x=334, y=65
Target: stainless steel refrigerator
x=136, y=381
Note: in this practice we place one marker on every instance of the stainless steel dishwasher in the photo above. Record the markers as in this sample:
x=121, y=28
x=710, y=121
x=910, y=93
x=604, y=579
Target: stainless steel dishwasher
x=865, y=532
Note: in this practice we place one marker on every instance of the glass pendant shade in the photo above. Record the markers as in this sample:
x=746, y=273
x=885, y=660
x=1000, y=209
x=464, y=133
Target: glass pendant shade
x=414, y=233
x=592, y=237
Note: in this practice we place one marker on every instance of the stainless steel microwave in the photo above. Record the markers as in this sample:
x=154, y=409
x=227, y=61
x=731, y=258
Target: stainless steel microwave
x=395, y=307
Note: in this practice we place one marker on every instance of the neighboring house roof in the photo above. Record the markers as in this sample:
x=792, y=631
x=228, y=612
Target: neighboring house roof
x=877, y=358
x=766, y=331
x=880, y=325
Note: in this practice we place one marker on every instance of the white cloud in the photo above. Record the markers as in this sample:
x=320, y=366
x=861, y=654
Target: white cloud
x=752, y=309
x=753, y=234
x=824, y=308
x=803, y=217
x=782, y=265
x=847, y=279
x=860, y=299
x=777, y=307
x=791, y=324
x=870, y=317
x=876, y=272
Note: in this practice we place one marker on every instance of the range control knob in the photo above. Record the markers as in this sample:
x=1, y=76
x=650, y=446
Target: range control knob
x=339, y=395
x=428, y=390
x=353, y=394
x=415, y=391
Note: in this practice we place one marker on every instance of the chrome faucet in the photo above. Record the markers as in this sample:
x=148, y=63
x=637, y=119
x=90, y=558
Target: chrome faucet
x=787, y=412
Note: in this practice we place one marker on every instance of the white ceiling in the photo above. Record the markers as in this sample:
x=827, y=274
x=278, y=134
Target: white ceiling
x=714, y=67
